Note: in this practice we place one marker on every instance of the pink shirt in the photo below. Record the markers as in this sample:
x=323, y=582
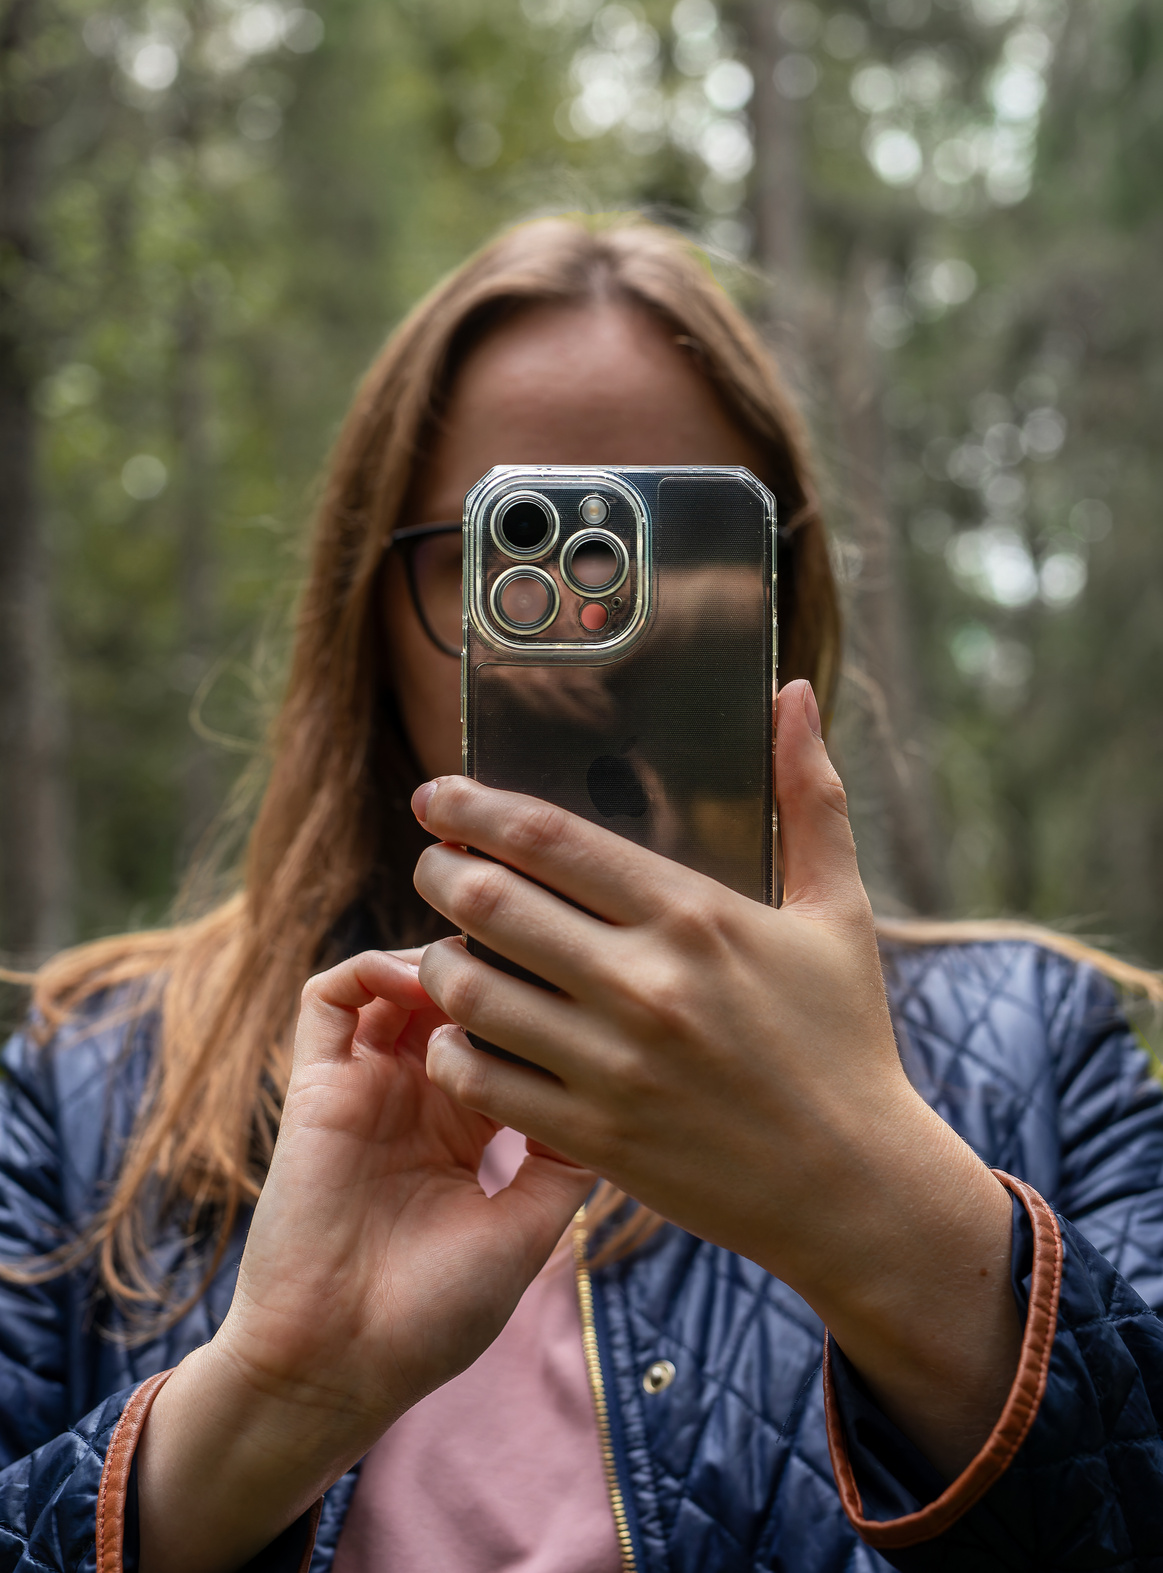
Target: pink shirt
x=500, y=1470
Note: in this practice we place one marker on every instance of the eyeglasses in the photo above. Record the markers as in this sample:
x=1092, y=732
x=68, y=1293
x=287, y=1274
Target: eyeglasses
x=431, y=555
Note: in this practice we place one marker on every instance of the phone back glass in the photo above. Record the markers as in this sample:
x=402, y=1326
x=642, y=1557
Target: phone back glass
x=658, y=724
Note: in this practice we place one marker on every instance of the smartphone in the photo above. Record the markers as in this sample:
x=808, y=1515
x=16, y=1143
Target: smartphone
x=619, y=658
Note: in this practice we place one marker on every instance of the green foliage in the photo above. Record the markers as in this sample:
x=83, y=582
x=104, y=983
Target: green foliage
x=1026, y=470
x=239, y=199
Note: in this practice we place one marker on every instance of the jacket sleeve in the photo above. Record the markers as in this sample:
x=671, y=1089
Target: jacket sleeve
x=51, y=1470
x=1083, y=1487
x=67, y=1486
x=63, y=1508
x=48, y=1501
x=33, y=1317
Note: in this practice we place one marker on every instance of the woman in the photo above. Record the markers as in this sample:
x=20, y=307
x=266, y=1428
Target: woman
x=991, y=1383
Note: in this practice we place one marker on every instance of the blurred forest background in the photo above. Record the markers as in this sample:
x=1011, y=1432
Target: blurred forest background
x=947, y=215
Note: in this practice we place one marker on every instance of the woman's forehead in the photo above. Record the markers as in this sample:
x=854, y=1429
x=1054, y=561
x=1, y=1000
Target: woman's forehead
x=601, y=383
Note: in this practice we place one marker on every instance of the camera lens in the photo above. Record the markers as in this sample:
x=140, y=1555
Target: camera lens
x=594, y=562
x=524, y=526
x=525, y=600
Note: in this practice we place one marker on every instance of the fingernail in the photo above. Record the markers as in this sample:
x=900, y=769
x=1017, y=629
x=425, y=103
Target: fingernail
x=412, y=966
x=421, y=798
x=811, y=710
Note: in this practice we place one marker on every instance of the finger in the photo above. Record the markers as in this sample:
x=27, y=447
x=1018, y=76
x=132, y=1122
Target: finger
x=541, y=1199
x=601, y=871
x=411, y=956
x=518, y=919
x=524, y=1100
x=516, y=1015
x=819, y=854
x=385, y=1027
x=332, y=1000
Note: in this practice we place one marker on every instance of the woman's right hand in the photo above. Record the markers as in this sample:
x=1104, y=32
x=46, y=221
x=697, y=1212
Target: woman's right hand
x=375, y=1270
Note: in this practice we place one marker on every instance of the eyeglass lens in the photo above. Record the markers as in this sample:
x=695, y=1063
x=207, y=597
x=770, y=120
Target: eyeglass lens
x=436, y=566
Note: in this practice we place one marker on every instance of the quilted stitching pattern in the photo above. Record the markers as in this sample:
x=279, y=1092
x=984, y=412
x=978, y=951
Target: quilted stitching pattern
x=727, y=1469
x=48, y=1501
x=732, y=1455
x=1085, y=1492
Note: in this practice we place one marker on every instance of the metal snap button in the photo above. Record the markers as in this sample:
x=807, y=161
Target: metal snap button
x=658, y=1376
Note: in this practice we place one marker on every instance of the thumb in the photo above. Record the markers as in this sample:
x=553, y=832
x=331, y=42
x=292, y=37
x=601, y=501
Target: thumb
x=540, y=1200
x=819, y=854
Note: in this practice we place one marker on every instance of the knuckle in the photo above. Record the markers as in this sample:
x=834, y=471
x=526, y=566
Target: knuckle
x=670, y=1009
x=463, y=1078
x=460, y=992
x=482, y=893
x=469, y=1085
x=535, y=830
x=833, y=795
x=425, y=871
x=452, y=797
x=694, y=923
x=686, y=919
x=439, y=955
x=312, y=993
x=659, y=999
x=854, y=908
x=638, y=1084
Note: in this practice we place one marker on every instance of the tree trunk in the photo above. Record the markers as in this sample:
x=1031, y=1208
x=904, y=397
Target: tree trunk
x=779, y=153
x=803, y=322
x=195, y=560
x=881, y=656
x=35, y=886
x=194, y=489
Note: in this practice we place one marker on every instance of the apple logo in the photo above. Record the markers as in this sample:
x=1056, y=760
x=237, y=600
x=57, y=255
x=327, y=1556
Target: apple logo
x=615, y=788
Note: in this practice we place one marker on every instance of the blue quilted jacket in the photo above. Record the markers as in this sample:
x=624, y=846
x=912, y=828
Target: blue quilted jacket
x=726, y=1467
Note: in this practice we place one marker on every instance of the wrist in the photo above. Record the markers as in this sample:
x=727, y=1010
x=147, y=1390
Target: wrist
x=921, y=1217
x=228, y=1460
x=872, y=1176
x=924, y=1307
x=308, y=1416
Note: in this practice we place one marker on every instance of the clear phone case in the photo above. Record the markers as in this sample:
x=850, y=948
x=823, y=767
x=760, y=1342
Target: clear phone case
x=620, y=653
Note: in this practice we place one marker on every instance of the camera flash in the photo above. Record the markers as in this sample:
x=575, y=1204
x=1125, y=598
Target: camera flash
x=594, y=510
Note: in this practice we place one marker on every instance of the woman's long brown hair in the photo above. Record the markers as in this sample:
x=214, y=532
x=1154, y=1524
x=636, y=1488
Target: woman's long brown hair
x=334, y=844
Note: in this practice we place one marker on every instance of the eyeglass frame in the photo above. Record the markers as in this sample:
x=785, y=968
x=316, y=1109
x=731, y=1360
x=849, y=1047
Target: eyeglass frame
x=407, y=537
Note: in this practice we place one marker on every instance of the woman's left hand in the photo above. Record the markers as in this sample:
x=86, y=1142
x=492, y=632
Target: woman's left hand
x=376, y=1269
x=732, y=1066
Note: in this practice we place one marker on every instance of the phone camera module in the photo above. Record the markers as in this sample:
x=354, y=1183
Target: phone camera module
x=525, y=525
x=524, y=600
x=594, y=562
